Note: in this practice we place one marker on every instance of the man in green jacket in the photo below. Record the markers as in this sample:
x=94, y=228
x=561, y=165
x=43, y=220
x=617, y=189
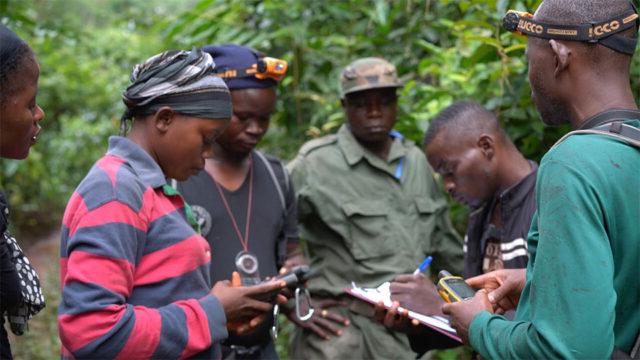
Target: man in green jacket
x=369, y=209
x=580, y=297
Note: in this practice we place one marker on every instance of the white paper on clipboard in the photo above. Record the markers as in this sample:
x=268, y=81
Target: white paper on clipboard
x=382, y=293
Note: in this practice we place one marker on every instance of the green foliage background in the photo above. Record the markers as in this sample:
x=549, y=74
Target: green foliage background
x=445, y=50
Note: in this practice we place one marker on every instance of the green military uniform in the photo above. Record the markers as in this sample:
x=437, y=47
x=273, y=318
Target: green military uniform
x=365, y=225
x=366, y=220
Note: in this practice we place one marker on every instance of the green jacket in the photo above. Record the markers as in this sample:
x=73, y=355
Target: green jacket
x=361, y=223
x=582, y=293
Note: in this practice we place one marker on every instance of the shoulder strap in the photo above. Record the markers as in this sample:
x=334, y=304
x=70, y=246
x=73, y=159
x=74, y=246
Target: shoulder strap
x=633, y=355
x=622, y=132
x=635, y=351
x=287, y=181
x=272, y=174
x=608, y=117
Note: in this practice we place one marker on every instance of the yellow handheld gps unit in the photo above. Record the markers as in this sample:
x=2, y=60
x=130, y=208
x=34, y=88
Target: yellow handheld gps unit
x=453, y=288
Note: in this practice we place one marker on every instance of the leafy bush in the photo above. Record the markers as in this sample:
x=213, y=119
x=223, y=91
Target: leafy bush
x=445, y=51
x=86, y=53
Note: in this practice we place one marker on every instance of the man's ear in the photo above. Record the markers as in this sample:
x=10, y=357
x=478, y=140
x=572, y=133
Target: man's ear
x=163, y=118
x=486, y=144
x=562, y=56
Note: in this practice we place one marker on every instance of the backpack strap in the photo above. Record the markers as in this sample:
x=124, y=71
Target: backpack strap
x=633, y=355
x=635, y=351
x=279, y=187
x=628, y=132
x=280, y=178
x=609, y=116
x=611, y=123
x=287, y=180
x=618, y=130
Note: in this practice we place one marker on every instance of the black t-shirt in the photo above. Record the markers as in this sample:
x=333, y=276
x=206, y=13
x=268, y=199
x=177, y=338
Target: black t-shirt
x=487, y=247
x=270, y=228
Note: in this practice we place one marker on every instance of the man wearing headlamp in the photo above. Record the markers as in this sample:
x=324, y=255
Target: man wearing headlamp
x=243, y=199
x=580, y=295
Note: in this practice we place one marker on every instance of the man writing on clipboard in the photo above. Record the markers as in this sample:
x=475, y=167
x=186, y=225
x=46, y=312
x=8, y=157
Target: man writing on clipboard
x=481, y=168
x=580, y=296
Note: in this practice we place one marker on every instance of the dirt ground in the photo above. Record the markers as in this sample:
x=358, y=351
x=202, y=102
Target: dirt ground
x=44, y=253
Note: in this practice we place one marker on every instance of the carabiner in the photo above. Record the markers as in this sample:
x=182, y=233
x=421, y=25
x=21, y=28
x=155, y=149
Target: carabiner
x=307, y=297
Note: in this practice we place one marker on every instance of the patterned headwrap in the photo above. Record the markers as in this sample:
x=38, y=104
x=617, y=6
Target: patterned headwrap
x=182, y=80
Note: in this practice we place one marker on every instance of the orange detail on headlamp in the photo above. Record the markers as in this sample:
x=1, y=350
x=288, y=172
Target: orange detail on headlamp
x=512, y=18
x=269, y=67
x=266, y=67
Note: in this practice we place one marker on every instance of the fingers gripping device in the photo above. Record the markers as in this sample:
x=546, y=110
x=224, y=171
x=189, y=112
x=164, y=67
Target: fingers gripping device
x=295, y=279
x=453, y=288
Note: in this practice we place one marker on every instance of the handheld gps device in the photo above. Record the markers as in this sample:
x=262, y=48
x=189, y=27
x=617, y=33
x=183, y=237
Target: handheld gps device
x=453, y=288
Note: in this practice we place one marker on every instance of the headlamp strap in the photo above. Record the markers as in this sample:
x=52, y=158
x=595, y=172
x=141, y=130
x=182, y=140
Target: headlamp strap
x=265, y=67
x=592, y=33
x=237, y=73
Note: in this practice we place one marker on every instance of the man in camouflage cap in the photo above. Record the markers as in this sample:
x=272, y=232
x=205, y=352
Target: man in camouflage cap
x=368, y=73
x=370, y=209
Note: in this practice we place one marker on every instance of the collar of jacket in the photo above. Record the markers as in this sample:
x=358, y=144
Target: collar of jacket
x=354, y=152
x=140, y=161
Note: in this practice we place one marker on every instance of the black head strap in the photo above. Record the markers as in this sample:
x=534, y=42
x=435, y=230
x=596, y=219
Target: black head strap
x=605, y=33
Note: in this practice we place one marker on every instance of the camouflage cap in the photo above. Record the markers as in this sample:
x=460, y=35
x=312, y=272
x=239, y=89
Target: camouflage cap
x=368, y=73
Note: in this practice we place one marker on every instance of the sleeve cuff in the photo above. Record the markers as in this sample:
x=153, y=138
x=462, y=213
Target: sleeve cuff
x=475, y=329
x=217, y=318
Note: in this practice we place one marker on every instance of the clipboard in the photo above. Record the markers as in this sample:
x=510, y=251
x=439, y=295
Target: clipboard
x=375, y=295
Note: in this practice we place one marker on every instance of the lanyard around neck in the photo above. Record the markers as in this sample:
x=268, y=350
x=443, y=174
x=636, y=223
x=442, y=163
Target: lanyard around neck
x=244, y=240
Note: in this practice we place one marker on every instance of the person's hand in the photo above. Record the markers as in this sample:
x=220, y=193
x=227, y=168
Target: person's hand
x=247, y=327
x=416, y=293
x=462, y=313
x=396, y=318
x=295, y=257
x=503, y=287
x=241, y=305
x=323, y=323
x=291, y=262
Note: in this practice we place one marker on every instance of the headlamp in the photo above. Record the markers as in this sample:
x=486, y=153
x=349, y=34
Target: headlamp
x=605, y=33
x=269, y=67
x=265, y=67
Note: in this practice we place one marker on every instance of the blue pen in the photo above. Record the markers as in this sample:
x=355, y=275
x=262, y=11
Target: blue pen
x=423, y=265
